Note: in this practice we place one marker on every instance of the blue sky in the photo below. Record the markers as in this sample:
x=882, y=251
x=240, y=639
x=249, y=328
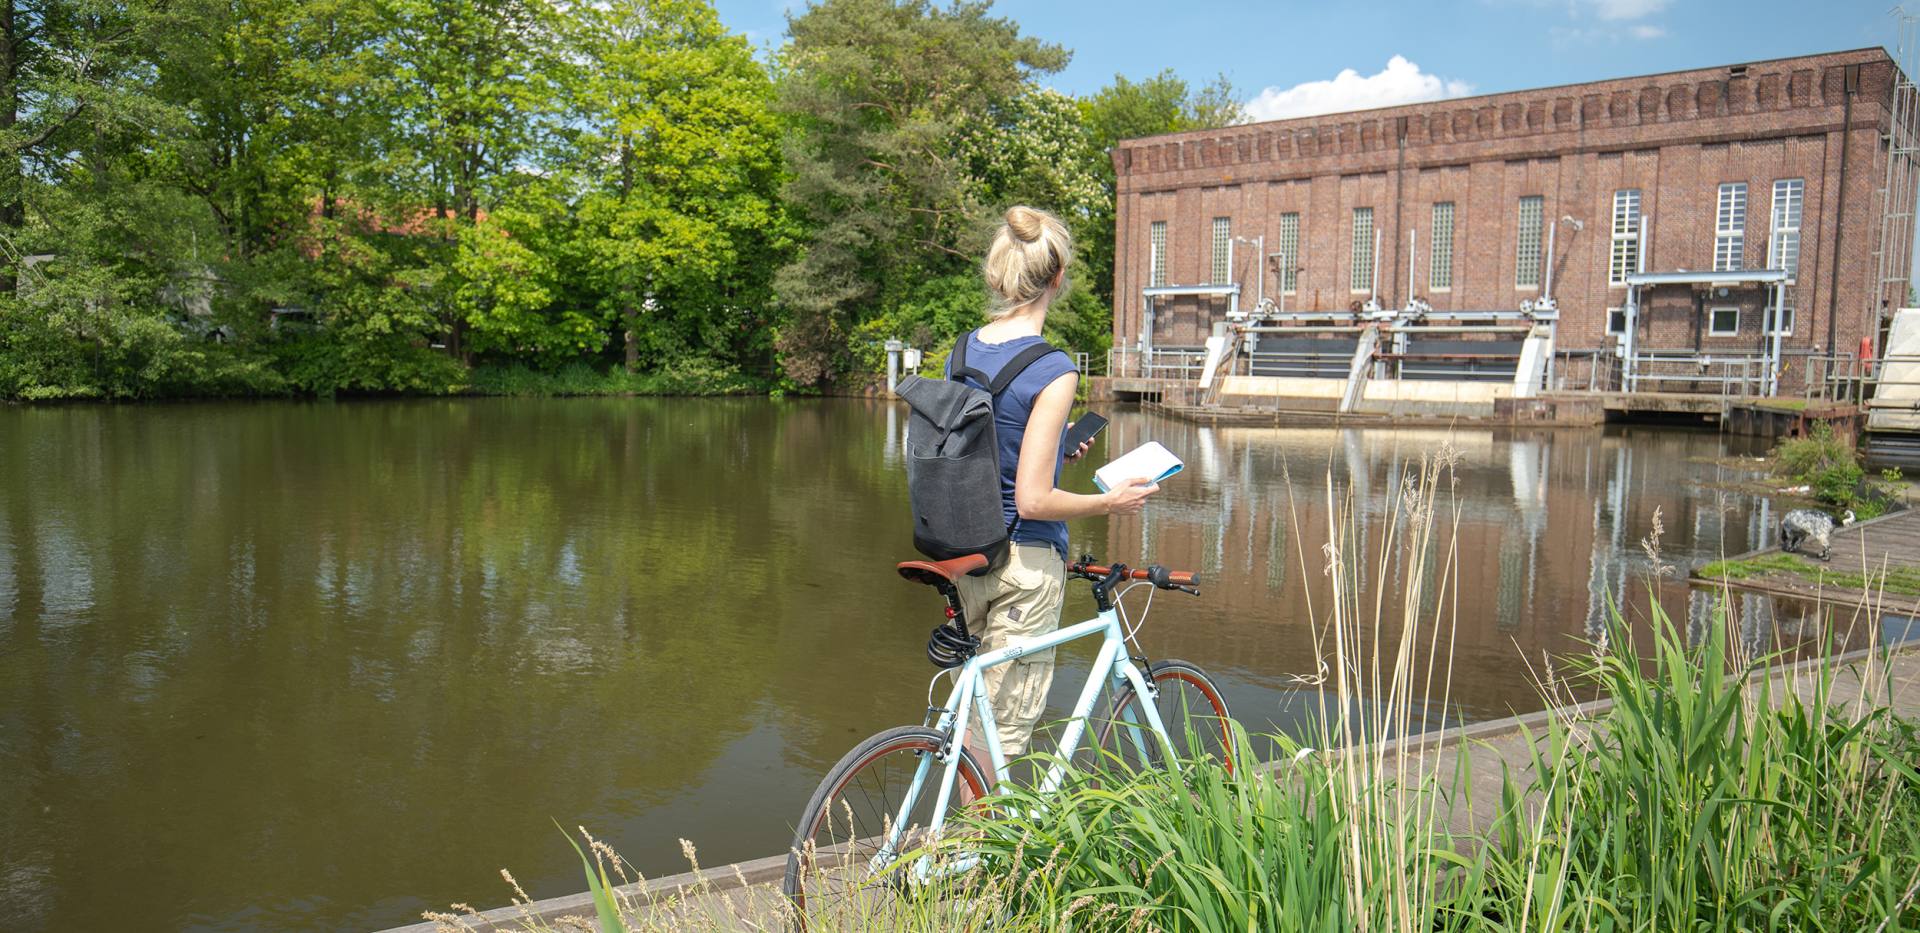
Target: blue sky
x=1447, y=48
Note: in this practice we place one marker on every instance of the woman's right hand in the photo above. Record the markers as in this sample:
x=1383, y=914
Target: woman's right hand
x=1130, y=496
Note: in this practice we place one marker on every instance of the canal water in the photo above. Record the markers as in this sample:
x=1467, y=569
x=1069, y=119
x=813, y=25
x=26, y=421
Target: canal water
x=323, y=666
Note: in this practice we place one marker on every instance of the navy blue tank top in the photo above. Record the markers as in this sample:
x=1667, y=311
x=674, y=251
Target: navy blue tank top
x=1010, y=413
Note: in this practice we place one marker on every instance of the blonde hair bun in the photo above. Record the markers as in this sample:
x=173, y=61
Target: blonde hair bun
x=1029, y=252
x=1026, y=223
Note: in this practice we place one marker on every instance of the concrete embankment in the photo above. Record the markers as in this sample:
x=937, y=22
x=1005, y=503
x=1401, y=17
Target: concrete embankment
x=749, y=890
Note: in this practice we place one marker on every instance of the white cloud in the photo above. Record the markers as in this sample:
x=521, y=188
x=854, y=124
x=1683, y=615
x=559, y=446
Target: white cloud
x=1648, y=32
x=1401, y=82
x=1626, y=9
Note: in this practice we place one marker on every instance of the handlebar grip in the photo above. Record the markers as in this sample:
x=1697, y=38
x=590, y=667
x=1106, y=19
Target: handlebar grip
x=1157, y=575
x=1168, y=579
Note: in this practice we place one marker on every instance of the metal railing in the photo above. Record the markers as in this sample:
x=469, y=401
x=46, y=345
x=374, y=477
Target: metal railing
x=1585, y=371
x=1691, y=373
x=1843, y=378
x=1158, y=363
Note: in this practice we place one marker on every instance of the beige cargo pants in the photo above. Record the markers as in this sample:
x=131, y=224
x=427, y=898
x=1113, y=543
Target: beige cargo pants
x=1018, y=601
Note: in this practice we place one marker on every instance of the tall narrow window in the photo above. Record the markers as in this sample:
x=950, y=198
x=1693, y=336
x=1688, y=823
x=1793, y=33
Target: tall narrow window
x=1360, y=277
x=1157, y=262
x=1625, y=259
x=1222, y=249
x=1780, y=319
x=1730, y=228
x=1289, y=253
x=1440, y=266
x=1783, y=251
x=1526, y=260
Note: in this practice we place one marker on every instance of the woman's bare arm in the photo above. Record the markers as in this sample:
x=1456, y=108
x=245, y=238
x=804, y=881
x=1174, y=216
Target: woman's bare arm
x=1034, y=494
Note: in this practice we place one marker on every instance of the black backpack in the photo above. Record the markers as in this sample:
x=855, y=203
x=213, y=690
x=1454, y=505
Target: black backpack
x=953, y=458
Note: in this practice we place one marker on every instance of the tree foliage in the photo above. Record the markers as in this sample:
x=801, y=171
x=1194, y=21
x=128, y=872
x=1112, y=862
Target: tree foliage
x=230, y=197
x=1128, y=109
x=877, y=93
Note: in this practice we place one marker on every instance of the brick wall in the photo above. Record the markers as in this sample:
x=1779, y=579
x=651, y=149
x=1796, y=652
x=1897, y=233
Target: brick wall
x=1676, y=137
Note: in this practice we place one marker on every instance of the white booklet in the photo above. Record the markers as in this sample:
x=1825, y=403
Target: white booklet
x=1151, y=460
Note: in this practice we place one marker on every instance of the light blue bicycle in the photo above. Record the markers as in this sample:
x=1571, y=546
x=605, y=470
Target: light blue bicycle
x=894, y=793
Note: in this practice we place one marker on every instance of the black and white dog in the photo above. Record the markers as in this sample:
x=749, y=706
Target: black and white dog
x=1801, y=527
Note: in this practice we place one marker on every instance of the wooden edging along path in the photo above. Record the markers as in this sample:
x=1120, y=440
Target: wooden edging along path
x=1493, y=747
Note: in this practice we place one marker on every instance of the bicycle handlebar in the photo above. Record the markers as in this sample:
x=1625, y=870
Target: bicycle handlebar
x=1157, y=575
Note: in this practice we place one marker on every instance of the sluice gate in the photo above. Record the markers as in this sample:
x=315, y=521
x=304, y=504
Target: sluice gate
x=1370, y=360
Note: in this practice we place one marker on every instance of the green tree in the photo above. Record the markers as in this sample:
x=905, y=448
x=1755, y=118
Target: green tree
x=1129, y=109
x=876, y=92
x=97, y=269
x=678, y=153
x=1036, y=149
x=71, y=79
x=471, y=98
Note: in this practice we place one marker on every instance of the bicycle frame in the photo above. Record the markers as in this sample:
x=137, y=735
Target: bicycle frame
x=1111, y=664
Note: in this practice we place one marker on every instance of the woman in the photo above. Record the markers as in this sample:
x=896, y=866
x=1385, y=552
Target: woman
x=1026, y=269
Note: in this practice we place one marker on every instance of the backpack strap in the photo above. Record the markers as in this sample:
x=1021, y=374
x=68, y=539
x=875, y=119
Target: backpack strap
x=1018, y=365
x=957, y=365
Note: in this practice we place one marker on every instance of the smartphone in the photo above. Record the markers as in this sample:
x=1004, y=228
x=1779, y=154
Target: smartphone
x=1083, y=430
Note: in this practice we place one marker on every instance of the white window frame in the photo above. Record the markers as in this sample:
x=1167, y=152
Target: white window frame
x=1221, y=259
x=1440, y=258
x=1527, y=252
x=1713, y=321
x=1289, y=250
x=1785, y=314
x=1157, y=254
x=1360, y=270
x=1783, y=246
x=1613, y=331
x=1730, y=228
x=1624, y=257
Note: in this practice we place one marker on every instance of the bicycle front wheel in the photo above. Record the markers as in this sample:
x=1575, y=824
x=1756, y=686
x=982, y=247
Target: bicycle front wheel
x=1190, y=705
x=841, y=870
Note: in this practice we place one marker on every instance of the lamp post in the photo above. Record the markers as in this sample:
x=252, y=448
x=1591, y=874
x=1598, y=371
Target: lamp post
x=1259, y=244
x=1280, y=270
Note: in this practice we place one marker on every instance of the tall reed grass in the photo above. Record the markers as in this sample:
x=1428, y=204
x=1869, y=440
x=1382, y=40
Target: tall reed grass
x=1701, y=797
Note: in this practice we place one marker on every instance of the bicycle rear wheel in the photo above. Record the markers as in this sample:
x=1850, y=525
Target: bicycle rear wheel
x=837, y=872
x=1190, y=705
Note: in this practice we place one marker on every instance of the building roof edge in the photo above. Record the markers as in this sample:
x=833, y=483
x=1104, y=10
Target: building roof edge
x=1336, y=116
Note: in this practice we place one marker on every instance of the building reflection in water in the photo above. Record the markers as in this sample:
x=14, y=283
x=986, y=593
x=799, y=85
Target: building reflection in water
x=1549, y=535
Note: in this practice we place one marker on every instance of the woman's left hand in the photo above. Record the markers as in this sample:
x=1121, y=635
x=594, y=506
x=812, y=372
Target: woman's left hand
x=1081, y=451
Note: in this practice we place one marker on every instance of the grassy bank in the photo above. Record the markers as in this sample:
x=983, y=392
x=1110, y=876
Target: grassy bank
x=696, y=377
x=1900, y=581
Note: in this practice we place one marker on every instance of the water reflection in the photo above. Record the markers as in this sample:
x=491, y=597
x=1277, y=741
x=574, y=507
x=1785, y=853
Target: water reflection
x=1550, y=535
x=322, y=666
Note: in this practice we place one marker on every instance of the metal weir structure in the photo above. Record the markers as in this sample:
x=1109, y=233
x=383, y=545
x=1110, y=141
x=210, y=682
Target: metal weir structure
x=1371, y=358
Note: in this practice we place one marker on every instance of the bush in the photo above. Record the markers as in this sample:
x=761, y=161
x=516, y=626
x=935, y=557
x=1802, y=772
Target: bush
x=692, y=375
x=330, y=362
x=1831, y=467
x=58, y=346
x=701, y=375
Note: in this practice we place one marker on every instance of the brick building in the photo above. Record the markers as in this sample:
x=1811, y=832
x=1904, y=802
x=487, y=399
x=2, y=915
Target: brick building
x=1777, y=164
